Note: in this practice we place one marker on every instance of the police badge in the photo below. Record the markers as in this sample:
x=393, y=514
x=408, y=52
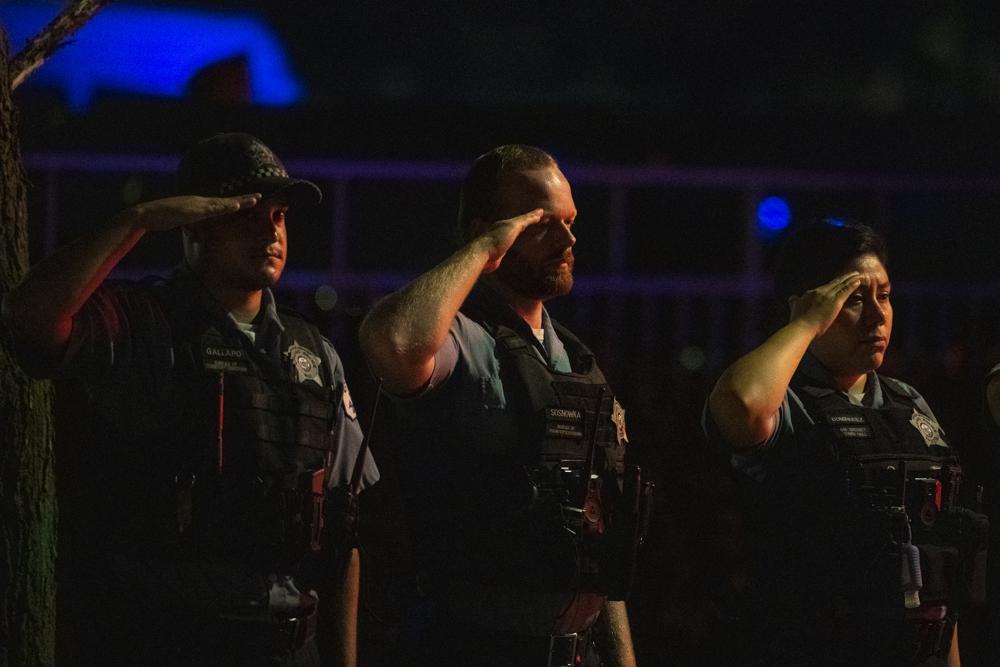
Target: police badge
x=304, y=365
x=929, y=430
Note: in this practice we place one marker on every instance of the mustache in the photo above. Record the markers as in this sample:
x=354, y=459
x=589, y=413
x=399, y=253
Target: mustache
x=563, y=256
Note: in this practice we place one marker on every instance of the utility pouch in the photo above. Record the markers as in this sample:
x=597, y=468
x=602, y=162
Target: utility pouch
x=624, y=536
x=313, y=513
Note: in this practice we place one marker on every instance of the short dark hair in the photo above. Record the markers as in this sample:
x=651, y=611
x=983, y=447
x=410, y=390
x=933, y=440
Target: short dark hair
x=818, y=252
x=478, y=198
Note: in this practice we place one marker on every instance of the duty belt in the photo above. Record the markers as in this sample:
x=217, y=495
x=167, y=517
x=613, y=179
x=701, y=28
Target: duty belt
x=568, y=650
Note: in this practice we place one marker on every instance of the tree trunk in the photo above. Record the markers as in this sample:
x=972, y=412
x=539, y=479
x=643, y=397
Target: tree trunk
x=27, y=483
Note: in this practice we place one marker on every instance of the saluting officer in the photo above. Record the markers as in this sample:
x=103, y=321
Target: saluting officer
x=197, y=501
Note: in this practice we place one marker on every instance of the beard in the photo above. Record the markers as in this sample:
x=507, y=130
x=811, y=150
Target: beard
x=536, y=280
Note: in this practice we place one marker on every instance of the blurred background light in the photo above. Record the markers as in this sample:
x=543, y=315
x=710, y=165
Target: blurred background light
x=773, y=216
x=161, y=51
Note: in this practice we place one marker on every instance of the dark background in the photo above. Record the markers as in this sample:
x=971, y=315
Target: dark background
x=897, y=89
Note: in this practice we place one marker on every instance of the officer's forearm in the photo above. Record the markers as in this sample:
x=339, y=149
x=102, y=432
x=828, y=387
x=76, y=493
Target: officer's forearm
x=614, y=637
x=40, y=310
x=339, y=620
x=749, y=393
x=954, y=658
x=403, y=332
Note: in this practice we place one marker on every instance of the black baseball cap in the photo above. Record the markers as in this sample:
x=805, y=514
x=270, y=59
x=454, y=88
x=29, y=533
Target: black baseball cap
x=236, y=163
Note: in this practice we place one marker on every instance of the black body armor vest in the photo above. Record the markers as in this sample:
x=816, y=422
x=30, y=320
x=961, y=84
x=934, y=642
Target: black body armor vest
x=547, y=510
x=862, y=520
x=230, y=463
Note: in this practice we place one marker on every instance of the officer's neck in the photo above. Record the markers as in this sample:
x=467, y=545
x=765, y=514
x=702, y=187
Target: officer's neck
x=851, y=384
x=241, y=304
x=529, y=309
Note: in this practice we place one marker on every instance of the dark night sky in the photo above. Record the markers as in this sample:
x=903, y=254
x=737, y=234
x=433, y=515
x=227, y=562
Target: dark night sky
x=849, y=84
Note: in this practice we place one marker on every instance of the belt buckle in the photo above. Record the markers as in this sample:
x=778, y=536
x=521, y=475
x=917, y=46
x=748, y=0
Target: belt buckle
x=562, y=650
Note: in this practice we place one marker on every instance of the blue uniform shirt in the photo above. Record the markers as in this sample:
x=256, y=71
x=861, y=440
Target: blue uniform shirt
x=793, y=414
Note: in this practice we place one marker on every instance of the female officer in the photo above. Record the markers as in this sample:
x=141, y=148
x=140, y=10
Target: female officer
x=851, y=475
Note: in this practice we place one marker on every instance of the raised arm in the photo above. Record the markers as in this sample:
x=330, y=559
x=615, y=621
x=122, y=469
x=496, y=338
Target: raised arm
x=745, y=401
x=403, y=332
x=41, y=309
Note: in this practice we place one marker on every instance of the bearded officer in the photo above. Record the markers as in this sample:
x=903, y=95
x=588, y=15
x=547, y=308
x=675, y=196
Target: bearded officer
x=509, y=439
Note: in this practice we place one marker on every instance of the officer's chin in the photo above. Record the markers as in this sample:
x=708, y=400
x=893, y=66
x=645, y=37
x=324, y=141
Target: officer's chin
x=872, y=362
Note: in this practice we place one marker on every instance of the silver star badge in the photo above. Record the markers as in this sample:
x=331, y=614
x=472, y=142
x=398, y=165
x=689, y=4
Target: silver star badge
x=304, y=364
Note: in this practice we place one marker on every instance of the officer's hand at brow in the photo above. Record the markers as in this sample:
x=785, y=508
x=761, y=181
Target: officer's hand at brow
x=173, y=212
x=500, y=236
x=820, y=306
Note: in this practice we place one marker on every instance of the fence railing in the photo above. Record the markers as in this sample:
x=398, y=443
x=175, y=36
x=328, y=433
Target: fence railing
x=697, y=319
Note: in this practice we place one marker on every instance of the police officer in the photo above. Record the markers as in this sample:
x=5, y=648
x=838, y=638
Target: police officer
x=509, y=440
x=985, y=463
x=199, y=498
x=863, y=550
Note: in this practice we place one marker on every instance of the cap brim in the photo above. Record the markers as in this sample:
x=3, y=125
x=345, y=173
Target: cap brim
x=299, y=192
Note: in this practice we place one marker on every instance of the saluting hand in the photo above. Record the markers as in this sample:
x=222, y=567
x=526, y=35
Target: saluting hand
x=500, y=236
x=820, y=306
x=173, y=212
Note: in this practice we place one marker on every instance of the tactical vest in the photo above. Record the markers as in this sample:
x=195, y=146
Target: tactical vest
x=231, y=466
x=862, y=520
x=545, y=511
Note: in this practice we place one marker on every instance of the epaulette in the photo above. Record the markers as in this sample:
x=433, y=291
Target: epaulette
x=899, y=387
x=288, y=310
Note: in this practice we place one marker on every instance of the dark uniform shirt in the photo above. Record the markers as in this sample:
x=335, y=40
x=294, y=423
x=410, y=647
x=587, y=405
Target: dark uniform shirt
x=125, y=394
x=468, y=401
x=792, y=617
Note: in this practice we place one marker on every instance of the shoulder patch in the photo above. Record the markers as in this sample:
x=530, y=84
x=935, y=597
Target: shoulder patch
x=348, y=402
x=618, y=417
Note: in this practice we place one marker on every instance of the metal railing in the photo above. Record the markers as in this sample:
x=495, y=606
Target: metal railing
x=668, y=314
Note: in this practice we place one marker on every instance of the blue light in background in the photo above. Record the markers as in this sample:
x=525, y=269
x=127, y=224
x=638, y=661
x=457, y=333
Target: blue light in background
x=773, y=215
x=155, y=51
x=836, y=222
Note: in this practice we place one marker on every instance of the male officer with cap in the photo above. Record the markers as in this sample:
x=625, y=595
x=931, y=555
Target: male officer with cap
x=199, y=504
x=509, y=438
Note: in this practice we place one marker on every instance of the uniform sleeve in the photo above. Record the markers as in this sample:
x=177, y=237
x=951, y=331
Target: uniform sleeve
x=445, y=362
x=120, y=328
x=347, y=430
x=984, y=457
x=753, y=461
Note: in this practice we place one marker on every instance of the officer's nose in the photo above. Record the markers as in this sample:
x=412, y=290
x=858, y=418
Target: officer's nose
x=565, y=235
x=874, y=311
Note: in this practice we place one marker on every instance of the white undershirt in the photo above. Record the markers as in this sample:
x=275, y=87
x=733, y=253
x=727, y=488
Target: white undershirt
x=249, y=329
x=539, y=334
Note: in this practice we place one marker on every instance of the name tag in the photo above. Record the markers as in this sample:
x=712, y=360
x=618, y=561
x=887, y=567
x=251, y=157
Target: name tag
x=564, y=423
x=220, y=357
x=855, y=432
x=846, y=419
x=849, y=425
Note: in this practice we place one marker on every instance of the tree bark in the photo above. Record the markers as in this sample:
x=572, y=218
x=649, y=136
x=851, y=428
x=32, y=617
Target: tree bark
x=27, y=482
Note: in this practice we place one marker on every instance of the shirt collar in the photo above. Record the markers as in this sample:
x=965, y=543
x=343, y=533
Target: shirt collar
x=558, y=358
x=812, y=372
x=268, y=319
x=487, y=301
